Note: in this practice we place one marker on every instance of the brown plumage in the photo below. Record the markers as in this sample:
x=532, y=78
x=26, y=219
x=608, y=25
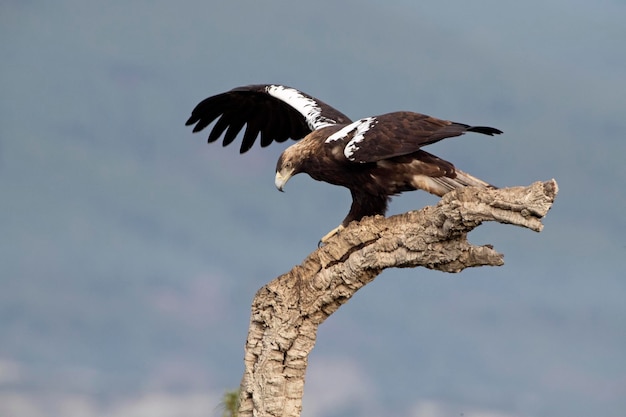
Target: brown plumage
x=374, y=157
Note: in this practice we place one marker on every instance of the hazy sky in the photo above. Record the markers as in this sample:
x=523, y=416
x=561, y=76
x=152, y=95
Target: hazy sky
x=131, y=250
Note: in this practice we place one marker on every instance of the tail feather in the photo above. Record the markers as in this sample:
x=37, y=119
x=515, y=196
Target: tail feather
x=462, y=179
x=485, y=130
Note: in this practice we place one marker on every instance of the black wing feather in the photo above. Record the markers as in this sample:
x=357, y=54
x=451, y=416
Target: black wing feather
x=253, y=127
x=262, y=113
x=204, y=122
x=218, y=129
x=206, y=111
x=233, y=130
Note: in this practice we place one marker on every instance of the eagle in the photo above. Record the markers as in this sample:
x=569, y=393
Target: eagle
x=374, y=157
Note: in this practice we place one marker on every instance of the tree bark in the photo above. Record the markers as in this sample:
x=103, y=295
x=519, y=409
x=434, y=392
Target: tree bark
x=287, y=312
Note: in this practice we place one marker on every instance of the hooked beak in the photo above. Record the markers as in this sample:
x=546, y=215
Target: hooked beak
x=281, y=179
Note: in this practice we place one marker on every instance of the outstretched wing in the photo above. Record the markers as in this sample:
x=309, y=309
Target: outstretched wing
x=381, y=137
x=275, y=112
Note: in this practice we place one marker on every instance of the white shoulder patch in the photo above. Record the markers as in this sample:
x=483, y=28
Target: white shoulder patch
x=306, y=106
x=360, y=127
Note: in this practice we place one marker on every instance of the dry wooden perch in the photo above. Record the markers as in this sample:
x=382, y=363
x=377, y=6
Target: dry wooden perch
x=287, y=312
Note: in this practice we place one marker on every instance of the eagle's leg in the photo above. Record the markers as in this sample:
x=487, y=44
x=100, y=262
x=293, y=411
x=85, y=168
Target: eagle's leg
x=330, y=234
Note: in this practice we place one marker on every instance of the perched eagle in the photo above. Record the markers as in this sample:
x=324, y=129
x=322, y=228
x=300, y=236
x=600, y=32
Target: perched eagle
x=374, y=157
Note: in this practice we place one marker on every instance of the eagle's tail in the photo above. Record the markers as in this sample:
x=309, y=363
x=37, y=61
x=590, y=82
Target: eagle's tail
x=485, y=130
x=462, y=179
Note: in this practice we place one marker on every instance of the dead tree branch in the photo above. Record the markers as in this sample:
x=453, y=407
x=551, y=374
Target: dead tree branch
x=287, y=312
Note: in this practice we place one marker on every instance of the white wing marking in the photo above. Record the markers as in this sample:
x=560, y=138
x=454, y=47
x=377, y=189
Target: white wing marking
x=360, y=127
x=304, y=105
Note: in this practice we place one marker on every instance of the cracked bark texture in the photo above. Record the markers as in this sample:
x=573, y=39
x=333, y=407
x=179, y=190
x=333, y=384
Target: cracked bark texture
x=287, y=312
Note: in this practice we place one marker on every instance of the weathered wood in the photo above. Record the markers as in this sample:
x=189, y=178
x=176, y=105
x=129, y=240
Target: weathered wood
x=287, y=312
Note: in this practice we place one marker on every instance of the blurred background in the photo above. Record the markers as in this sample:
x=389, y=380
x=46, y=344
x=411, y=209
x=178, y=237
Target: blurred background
x=130, y=250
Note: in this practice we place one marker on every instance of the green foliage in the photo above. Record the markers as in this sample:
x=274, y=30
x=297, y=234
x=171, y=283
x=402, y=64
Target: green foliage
x=230, y=403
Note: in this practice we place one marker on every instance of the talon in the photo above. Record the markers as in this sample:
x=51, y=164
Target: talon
x=329, y=235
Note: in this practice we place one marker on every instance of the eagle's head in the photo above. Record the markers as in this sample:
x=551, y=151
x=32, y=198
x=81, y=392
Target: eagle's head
x=289, y=164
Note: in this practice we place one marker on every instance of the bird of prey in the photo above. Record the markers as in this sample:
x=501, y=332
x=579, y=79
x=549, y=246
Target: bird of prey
x=374, y=157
